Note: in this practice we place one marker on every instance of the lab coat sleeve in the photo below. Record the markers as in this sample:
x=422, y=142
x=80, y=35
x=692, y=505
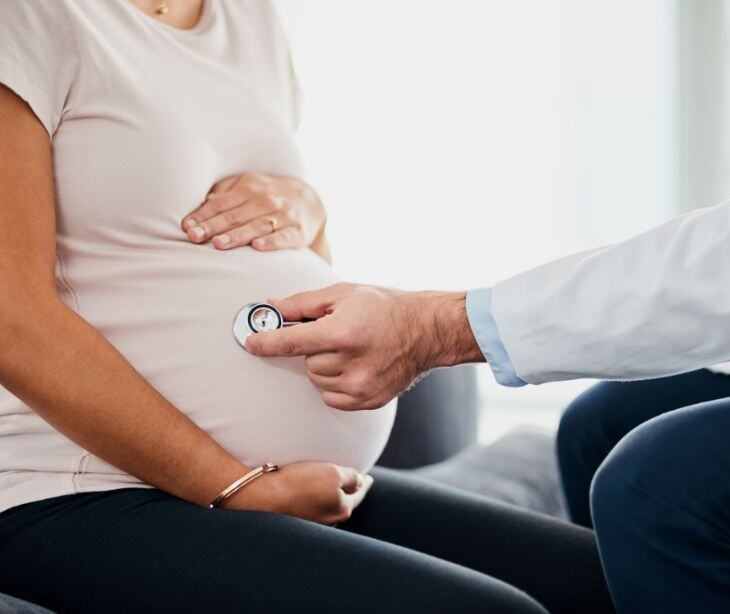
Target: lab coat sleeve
x=479, y=312
x=655, y=305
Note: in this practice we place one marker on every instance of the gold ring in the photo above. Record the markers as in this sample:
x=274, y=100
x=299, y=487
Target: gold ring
x=273, y=223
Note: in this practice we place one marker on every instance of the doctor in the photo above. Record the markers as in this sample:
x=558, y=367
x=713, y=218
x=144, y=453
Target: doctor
x=654, y=305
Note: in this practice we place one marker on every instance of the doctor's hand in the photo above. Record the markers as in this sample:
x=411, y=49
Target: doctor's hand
x=263, y=211
x=370, y=344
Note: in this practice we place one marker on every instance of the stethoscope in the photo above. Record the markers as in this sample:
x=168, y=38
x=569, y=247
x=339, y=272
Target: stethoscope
x=258, y=318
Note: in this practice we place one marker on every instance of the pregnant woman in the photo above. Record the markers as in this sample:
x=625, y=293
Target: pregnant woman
x=149, y=188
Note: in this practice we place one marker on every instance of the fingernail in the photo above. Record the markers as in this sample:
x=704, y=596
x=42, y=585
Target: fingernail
x=198, y=232
x=259, y=242
x=189, y=224
x=222, y=240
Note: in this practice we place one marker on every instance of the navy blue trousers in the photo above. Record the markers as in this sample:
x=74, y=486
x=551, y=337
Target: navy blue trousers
x=648, y=464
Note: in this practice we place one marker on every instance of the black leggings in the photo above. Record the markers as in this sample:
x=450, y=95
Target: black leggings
x=411, y=547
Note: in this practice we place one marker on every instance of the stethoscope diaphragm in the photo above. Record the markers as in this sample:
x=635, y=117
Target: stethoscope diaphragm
x=259, y=318
x=256, y=318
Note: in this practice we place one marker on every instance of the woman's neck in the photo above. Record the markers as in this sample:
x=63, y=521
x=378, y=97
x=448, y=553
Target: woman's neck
x=182, y=14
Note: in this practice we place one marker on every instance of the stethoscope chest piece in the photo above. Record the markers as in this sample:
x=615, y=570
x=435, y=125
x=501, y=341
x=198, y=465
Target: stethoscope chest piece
x=256, y=318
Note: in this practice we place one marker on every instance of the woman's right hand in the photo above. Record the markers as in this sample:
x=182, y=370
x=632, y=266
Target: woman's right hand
x=321, y=492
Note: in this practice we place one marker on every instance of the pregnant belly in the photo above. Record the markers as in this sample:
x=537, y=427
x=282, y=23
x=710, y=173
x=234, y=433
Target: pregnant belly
x=171, y=314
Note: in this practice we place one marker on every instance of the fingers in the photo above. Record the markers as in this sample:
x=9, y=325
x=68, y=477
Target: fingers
x=347, y=402
x=290, y=237
x=250, y=232
x=301, y=340
x=247, y=219
x=213, y=205
x=341, y=400
x=325, y=383
x=226, y=184
x=354, y=499
x=325, y=364
x=314, y=304
x=350, y=479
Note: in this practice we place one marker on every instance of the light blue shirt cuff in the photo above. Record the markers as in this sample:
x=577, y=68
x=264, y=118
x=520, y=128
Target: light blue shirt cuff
x=481, y=320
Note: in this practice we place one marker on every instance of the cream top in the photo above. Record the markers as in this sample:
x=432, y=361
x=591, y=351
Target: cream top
x=144, y=119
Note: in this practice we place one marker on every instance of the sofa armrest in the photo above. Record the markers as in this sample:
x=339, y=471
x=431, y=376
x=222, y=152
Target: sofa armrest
x=436, y=419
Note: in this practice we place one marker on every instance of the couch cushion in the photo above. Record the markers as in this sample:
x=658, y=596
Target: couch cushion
x=519, y=468
x=11, y=605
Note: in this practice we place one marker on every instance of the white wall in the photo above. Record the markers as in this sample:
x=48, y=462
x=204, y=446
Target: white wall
x=517, y=130
x=704, y=47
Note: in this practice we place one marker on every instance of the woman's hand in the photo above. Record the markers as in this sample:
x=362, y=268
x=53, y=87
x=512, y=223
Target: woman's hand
x=263, y=211
x=320, y=492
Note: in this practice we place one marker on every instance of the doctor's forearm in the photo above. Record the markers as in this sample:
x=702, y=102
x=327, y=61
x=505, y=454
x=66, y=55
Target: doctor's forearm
x=445, y=319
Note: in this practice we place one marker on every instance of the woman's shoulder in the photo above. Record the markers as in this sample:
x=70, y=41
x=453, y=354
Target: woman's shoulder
x=38, y=55
x=44, y=25
x=45, y=15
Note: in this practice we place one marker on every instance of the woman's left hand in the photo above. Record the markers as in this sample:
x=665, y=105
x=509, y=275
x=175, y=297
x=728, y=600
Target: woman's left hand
x=263, y=211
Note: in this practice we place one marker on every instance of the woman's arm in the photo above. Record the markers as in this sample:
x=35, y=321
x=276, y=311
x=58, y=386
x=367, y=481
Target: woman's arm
x=74, y=378
x=59, y=364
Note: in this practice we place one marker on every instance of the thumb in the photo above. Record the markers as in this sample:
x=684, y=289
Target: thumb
x=314, y=304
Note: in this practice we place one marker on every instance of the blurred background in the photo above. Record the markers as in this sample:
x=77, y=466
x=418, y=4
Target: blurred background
x=458, y=143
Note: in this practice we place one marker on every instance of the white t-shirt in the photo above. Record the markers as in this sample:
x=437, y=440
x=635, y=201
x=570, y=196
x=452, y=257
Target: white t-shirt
x=144, y=119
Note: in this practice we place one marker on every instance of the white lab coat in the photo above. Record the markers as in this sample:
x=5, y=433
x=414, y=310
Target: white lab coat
x=657, y=304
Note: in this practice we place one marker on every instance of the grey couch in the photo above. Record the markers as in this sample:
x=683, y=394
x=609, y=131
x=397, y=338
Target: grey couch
x=435, y=436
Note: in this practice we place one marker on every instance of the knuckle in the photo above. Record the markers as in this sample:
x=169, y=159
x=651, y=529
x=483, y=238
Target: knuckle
x=287, y=348
x=214, y=206
x=261, y=226
x=344, y=513
x=286, y=236
x=230, y=217
x=345, y=338
x=334, y=472
x=266, y=199
x=339, y=504
x=277, y=203
x=331, y=474
x=360, y=386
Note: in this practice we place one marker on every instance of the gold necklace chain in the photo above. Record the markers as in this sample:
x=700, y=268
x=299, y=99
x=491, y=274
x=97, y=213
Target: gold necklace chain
x=163, y=9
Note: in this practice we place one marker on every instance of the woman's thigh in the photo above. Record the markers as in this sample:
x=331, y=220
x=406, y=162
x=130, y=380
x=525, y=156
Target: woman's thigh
x=140, y=550
x=555, y=562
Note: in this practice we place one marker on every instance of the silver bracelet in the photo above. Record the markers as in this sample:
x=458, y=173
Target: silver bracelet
x=241, y=482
